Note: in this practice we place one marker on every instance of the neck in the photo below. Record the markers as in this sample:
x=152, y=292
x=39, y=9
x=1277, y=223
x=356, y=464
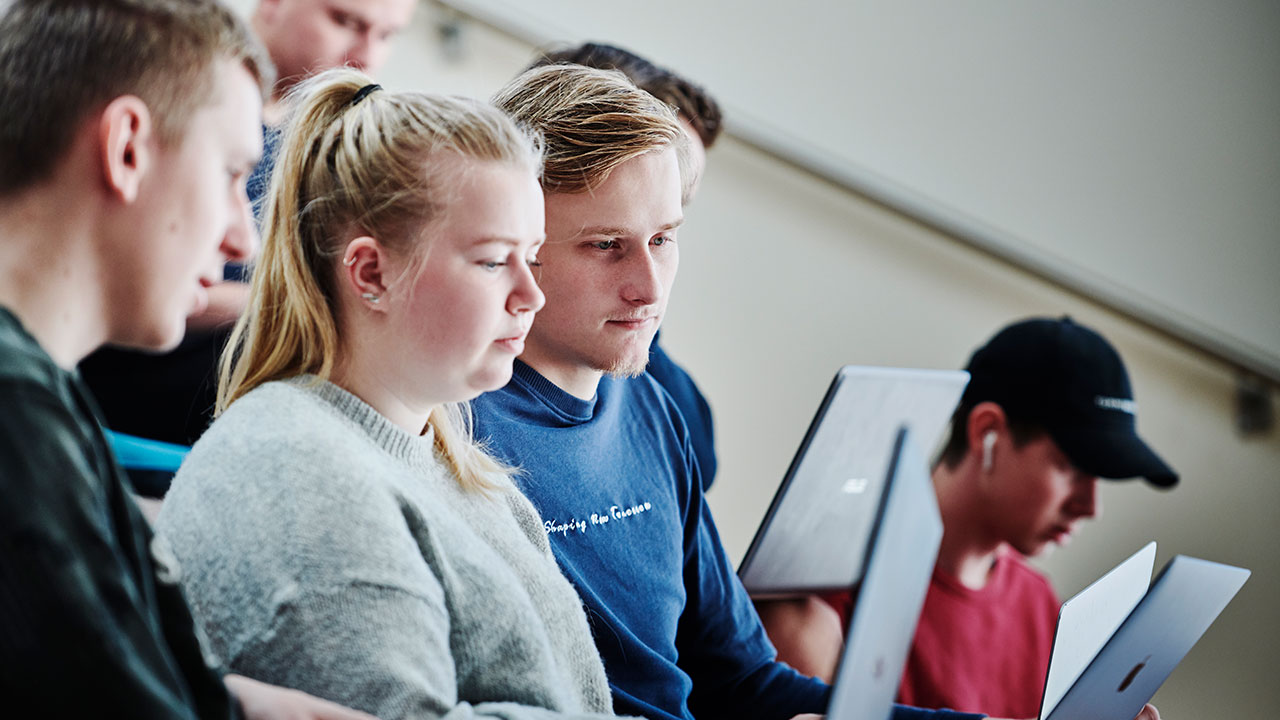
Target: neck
x=50, y=276
x=579, y=381
x=967, y=551
x=363, y=374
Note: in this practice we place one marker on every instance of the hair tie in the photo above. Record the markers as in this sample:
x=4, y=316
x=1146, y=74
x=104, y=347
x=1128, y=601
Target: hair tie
x=363, y=92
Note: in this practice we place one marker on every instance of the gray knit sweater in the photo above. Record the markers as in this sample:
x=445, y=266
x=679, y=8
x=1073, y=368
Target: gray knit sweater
x=325, y=549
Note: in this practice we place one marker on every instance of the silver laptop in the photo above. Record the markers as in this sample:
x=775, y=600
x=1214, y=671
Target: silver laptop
x=1183, y=601
x=1087, y=621
x=815, y=534
x=899, y=562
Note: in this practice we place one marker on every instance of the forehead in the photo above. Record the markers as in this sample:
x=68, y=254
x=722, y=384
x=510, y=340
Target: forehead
x=640, y=196
x=231, y=120
x=490, y=199
x=382, y=14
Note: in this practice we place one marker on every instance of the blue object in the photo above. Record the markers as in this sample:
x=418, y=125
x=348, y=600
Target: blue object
x=693, y=406
x=135, y=453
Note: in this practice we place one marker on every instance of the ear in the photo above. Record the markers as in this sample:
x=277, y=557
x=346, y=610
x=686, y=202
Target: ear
x=987, y=423
x=364, y=272
x=126, y=142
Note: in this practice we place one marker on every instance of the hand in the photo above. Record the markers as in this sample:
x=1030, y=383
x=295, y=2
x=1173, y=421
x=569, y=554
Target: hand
x=1148, y=713
x=261, y=701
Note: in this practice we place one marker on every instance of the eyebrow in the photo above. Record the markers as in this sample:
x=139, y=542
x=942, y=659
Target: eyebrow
x=498, y=240
x=614, y=231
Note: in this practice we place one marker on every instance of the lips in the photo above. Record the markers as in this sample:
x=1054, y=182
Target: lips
x=1061, y=534
x=201, y=300
x=514, y=343
x=636, y=323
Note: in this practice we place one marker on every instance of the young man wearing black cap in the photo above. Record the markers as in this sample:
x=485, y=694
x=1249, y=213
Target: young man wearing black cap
x=1047, y=412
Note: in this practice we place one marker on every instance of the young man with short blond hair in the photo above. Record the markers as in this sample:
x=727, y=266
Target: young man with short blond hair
x=604, y=452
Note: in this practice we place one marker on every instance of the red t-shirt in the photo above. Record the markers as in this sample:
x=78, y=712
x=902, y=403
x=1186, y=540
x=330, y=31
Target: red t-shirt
x=983, y=650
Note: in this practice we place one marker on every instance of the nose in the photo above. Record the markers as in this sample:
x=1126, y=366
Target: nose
x=526, y=296
x=240, y=243
x=643, y=282
x=363, y=54
x=1084, y=501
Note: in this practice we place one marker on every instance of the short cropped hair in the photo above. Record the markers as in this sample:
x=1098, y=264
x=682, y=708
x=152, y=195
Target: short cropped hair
x=691, y=100
x=591, y=121
x=60, y=60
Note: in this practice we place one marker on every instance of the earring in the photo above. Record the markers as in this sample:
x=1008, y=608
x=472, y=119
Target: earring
x=375, y=299
x=349, y=261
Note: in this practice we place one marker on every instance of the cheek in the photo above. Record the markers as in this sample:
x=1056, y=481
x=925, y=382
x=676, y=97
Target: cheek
x=669, y=268
x=552, y=283
x=321, y=43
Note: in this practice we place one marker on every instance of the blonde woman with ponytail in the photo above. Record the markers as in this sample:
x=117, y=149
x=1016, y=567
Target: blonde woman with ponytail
x=338, y=530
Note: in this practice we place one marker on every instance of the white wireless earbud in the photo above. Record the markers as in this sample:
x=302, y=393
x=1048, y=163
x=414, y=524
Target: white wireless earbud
x=988, y=444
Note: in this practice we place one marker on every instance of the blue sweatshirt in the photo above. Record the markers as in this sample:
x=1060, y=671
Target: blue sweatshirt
x=618, y=489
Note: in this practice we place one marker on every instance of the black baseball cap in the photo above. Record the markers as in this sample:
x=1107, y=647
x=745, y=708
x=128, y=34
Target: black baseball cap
x=1068, y=379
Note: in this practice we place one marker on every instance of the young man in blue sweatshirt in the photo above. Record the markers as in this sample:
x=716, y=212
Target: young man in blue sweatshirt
x=700, y=117
x=605, y=454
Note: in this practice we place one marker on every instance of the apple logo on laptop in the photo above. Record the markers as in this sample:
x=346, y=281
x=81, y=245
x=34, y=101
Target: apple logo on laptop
x=1128, y=679
x=854, y=486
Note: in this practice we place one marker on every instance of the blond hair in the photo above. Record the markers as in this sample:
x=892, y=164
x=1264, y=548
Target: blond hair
x=355, y=161
x=592, y=121
x=62, y=59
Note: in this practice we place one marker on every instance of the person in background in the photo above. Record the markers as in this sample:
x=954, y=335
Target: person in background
x=338, y=529
x=170, y=397
x=127, y=130
x=1048, y=410
x=699, y=115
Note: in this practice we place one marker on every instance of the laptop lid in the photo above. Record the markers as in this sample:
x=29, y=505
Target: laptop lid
x=1087, y=621
x=814, y=535
x=899, y=563
x=1183, y=601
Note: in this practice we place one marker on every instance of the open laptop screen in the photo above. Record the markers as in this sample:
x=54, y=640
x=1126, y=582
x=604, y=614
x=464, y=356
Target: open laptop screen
x=815, y=533
x=899, y=563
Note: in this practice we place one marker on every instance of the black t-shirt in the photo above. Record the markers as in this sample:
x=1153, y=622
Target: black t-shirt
x=92, y=624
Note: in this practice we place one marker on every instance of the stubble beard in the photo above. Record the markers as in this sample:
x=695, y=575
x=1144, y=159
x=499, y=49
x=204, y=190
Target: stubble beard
x=629, y=364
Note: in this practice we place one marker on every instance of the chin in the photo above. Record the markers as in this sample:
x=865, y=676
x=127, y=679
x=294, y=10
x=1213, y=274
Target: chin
x=491, y=380
x=626, y=365
x=158, y=338
x=1037, y=548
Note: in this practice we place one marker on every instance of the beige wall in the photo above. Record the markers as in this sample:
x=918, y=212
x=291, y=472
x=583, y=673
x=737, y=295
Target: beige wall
x=784, y=278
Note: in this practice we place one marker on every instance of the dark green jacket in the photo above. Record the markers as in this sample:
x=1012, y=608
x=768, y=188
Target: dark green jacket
x=90, y=625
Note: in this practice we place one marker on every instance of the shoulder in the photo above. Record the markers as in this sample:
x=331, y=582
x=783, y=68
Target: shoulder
x=643, y=395
x=46, y=429
x=276, y=480
x=273, y=421
x=24, y=366
x=276, y=453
